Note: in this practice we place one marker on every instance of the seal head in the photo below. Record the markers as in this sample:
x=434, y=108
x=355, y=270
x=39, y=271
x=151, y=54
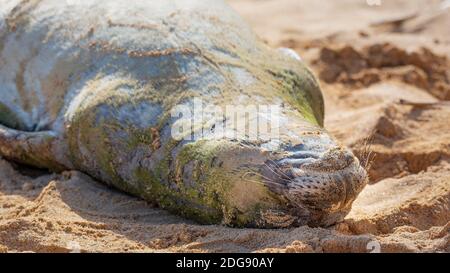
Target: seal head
x=319, y=179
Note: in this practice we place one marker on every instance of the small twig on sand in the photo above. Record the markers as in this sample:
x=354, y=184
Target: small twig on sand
x=423, y=104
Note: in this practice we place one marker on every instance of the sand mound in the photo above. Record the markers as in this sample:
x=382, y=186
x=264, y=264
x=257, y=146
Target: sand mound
x=378, y=90
x=381, y=62
x=405, y=138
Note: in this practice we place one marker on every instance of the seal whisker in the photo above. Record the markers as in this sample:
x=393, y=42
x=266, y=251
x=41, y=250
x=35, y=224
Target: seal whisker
x=366, y=154
x=267, y=180
x=279, y=187
x=279, y=169
x=287, y=179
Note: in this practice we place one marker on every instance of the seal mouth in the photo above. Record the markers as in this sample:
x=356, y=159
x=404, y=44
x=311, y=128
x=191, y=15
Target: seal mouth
x=318, y=179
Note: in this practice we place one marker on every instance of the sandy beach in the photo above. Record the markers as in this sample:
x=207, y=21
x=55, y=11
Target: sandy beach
x=385, y=75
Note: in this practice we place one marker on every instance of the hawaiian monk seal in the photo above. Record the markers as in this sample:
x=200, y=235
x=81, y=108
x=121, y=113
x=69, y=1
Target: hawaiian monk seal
x=92, y=86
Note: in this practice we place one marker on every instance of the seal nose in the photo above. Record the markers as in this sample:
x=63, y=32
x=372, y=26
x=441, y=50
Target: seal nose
x=320, y=183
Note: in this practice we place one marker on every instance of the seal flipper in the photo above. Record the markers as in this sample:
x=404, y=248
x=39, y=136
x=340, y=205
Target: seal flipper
x=30, y=148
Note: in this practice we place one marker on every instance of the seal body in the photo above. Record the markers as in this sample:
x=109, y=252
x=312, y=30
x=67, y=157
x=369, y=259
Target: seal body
x=92, y=86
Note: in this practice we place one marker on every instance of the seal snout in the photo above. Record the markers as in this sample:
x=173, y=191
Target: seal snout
x=319, y=181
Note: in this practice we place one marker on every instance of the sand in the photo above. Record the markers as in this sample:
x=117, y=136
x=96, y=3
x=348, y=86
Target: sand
x=385, y=76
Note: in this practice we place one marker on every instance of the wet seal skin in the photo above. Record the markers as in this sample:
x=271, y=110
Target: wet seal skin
x=95, y=95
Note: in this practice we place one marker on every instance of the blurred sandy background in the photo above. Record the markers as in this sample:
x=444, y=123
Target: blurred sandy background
x=385, y=73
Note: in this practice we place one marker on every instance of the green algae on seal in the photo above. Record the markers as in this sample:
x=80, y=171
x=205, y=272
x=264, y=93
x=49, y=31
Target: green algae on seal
x=97, y=95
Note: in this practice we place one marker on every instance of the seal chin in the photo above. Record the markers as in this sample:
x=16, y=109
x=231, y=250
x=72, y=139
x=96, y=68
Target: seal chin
x=318, y=179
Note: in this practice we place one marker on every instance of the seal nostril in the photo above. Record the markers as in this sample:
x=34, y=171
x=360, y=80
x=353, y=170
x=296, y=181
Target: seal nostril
x=304, y=155
x=296, y=162
x=296, y=148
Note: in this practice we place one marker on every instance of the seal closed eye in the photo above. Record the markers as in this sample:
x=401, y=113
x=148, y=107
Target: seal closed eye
x=98, y=95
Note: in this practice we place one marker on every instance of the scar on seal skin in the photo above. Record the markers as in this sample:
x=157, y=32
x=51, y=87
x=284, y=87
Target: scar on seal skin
x=86, y=86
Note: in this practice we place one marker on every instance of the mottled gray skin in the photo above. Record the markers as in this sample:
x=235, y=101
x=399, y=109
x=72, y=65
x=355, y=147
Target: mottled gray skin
x=89, y=86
